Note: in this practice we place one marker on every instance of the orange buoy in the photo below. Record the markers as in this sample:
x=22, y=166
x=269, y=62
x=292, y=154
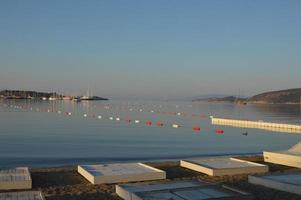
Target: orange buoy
x=196, y=128
x=160, y=124
x=219, y=131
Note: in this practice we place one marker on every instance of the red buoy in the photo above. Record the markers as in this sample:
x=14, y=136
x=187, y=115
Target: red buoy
x=219, y=131
x=148, y=123
x=160, y=124
x=196, y=128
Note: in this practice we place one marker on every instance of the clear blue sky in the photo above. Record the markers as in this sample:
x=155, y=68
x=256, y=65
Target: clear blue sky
x=150, y=48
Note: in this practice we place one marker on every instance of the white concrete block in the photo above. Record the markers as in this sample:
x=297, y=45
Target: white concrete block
x=284, y=182
x=178, y=190
x=118, y=173
x=220, y=166
x=13, y=179
x=27, y=195
x=290, y=157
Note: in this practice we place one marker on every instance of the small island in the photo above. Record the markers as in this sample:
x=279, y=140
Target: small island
x=33, y=95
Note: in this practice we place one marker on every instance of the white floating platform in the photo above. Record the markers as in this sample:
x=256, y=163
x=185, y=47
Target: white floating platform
x=220, y=166
x=118, y=173
x=27, y=195
x=290, y=157
x=178, y=190
x=284, y=182
x=13, y=179
x=290, y=128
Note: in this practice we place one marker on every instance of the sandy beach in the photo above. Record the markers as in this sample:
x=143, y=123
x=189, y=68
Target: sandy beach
x=64, y=183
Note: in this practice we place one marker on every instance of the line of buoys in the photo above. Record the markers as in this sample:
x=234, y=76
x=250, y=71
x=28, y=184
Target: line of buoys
x=132, y=108
x=126, y=119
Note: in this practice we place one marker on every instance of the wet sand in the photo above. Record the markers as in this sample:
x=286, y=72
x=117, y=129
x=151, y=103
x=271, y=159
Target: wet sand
x=64, y=183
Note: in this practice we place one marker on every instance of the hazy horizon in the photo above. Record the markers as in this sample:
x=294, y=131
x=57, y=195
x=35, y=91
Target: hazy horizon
x=150, y=49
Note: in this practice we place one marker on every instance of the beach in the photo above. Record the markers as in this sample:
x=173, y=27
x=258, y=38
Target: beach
x=64, y=183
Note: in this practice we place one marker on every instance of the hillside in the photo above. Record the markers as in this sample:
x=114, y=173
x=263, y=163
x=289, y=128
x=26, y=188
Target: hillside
x=290, y=96
x=221, y=99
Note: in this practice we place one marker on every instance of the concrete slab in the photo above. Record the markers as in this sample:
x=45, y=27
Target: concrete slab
x=178, y=190
x=117, y=173
x=290, y=157
x=13, y=179
x=284, y=182
x=27, y=195
x=221, y=165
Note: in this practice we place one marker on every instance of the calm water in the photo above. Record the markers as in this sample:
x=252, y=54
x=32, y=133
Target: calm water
x=35, y=134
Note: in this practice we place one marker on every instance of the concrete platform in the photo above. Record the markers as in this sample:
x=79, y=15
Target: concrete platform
x=220, y=166
x=284, y=182
x=290, y=157
x=13, y=179
x=27, y=195
x=178, y=190
x=118, y=173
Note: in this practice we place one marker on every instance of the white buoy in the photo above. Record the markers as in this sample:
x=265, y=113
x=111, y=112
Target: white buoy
x=137, y=121
x=131, y=109
x=151, y=111
x=111, y=118
x=117, y=119
x=99, y=116
x=69, y=113
x=175, y=126
x=85, y=115
x=178, y=114
x=48, y=110
x=140, y=110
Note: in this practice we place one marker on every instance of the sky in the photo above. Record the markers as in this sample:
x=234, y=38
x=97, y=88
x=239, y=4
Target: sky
x=150, y=48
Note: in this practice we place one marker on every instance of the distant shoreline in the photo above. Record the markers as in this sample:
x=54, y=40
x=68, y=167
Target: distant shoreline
x=281, y=97
x=45, y=96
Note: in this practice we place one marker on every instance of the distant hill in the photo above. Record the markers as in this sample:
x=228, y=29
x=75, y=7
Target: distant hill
x=290, y=96
x=221, y=99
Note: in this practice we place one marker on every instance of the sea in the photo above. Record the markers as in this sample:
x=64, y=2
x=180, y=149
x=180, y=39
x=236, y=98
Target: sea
x=57, y=133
